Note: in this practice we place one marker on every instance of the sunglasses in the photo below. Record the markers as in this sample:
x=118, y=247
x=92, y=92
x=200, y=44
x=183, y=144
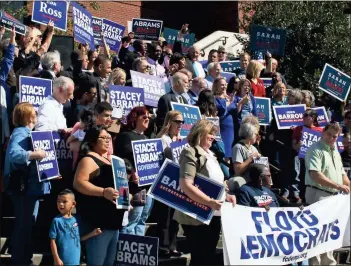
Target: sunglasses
x=178, y=121
x=145, y=117
x=222, y=52
x=148, y=67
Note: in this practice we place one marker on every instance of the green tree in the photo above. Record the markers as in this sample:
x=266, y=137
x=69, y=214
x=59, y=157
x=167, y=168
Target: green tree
x=317, y=33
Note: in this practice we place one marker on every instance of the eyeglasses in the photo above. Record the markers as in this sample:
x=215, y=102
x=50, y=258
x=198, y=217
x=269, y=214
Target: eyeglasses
x=145, y=117
x=148, y=67
x=222, y=52
x=105, y=138
x=178, y=121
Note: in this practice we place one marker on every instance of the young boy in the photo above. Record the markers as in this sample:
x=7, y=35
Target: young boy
x=64, y=232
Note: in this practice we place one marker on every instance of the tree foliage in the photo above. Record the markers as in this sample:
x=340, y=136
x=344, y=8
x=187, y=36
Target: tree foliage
x=317, y=33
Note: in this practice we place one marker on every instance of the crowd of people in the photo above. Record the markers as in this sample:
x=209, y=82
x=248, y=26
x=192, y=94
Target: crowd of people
x=79, y=205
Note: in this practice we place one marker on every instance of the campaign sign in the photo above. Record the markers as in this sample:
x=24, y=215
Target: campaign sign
x=230, y=66
x=270, y=39
x=335, y=82
x=56, y=11
x=215, y=120
x=34, y=90
x=171, y=36
x=288, y=116
x=9, y=22
x=113, y=34
x=264, y=112
x=177, y=147
x=227, y=75
x=323, y=118
x=148, y=158
x=120, y=179
x=166, y=189
x=309, y=137
x=126, y=98
x=64, y=155
x=83, y=30
x=191, y=114
x=267, y=82
x=146, y=29
x=153, y=86
x=97, y=29
x=137, y=250
x=47, y=167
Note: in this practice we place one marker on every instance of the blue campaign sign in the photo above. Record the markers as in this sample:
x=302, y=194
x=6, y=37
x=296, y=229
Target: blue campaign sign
x=126, y=98
x=47, y=167
x=267, y=82
x=97, y=29
x=339, y=144
x=309, y=137
x=215, y=120
x=270, y=39
x=166, y=189
x=154, y=87
x=148, y=158
x=177, y=147
x=56, y=11
x=64, y=155
x=9, y=22
x=136, y=250
x=171, y=36
x=82, y=21
x=120, y=179
x=323, y=118
x=264, y=111
x=191, y=114
x=230, y=66
x=227, y=75
x=113, y=34
x=146, y=29
x=288, y=116
x=34, y=90
x=335, y=82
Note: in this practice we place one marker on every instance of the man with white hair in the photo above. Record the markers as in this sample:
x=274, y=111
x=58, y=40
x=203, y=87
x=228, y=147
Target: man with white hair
x=193, y=63
x=50, y=113
x=51, y=63
x=214, y=71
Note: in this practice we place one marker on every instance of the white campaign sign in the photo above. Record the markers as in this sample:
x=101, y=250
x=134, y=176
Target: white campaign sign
x=283, y=235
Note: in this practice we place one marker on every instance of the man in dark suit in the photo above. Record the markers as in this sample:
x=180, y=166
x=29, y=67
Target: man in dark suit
x=140, y=48
x=180, y=85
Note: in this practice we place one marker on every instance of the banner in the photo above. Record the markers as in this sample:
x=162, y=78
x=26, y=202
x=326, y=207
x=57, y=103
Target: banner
x=96, y=24
x=171, y=36
x=267, y=82
x=56, y=11
x=230, y=66
x=82, y=21
x=191, y=114
x=227, y=75
x=335, y=82
x=47, y=167
x=34, y=90
x=269, y=39
x=153, y=86
x=323, y=118
x=166, y=189
x=264, y=111
x=288, y=116
x=286, y=235
x=120, y=179
x=126, y=98
x=137, y=250
x=147, y=29
x=215, y=120
x=113, y=34
x=177, y=147
x=148, y=158
x=9, y=22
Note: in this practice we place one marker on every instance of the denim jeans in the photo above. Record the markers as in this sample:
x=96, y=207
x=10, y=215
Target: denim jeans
x=102, y=249
x=137, y=219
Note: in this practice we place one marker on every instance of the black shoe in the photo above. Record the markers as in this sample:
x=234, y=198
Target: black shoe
x=175, y=253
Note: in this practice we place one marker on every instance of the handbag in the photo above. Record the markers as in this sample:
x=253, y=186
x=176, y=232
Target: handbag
x=139, y=199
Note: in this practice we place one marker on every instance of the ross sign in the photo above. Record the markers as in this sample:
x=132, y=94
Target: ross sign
x=264, y=111
x=9, y=22
x=137, y=250
x=229, y=66
x=227, y=75
x=335, y=82
x=148, y=158
x=191, y=114
x=48, y=167
x=56, y=11
x=288, y=116
x=113, y=34
x=97, y=29
x=82, y=21
x=177, y=147
x=323, y=118
x=215, y=120
x=283, y=236
x=267, y=82
x=171, y=36
x=147, y=29
x=120, y=179
x=153, y=86
x=166, y=189
x=269, y=39
x=34, y=90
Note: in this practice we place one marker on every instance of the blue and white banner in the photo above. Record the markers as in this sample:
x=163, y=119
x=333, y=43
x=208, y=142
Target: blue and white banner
x=120, y=179
x=126, y=98
x=166, y=189
x=323, y=118
x=191, y=114
x=309, y=137
x=9, y=22
x=267, y=82
x=288, y=116
x=270, y=39
x=177, y=147
x=34, y=90
x=113, y=34
x=153, y=86
x=335, y=82
x=283, y=236
x=137, y=250
x=96, y=23
x=47, y=167
x=171, y=36
x=230, y=66
x=83, y=28
x=146, y=29
x=215, y=120
x=56, y=11
x=227, y=75
x=264, y=111
x=148, y=158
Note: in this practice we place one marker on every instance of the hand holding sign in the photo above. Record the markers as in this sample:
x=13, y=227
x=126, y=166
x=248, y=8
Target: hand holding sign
x=50, y=26
x=110, y=194
x=215, y=204
x=39, y=154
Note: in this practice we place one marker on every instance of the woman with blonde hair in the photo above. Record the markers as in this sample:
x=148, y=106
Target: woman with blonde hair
x=279, y=94
x=117, y=77
x=253, y=72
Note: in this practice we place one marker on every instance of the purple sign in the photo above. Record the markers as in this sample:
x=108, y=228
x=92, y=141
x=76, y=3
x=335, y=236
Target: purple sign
x=177, y=147
x=191, y=114
x=82, y=21
x=56, y=11
x=288, y=116
x=113, y=34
